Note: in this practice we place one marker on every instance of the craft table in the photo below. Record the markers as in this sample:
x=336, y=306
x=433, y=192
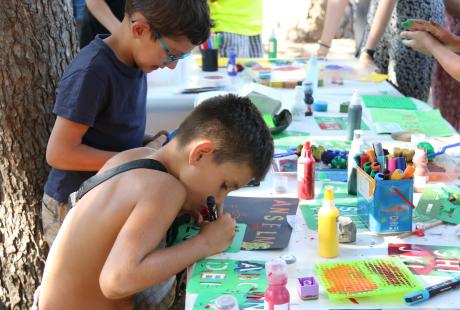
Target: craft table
x=166, y=106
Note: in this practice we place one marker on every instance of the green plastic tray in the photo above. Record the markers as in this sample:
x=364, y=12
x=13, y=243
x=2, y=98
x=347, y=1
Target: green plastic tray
x=363, y=278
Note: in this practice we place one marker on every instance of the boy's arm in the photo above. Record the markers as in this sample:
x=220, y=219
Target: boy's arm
x=65, y=149
x=443, y=35
x=134, y=263
x=102, y=12
x=427, y=44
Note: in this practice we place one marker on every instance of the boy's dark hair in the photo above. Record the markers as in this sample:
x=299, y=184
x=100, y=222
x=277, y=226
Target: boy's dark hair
x=188, y=18
x=236, y=127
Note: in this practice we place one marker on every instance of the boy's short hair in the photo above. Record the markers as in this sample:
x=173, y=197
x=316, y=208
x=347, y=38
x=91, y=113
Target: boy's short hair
x=235, y=125
x=188, y=18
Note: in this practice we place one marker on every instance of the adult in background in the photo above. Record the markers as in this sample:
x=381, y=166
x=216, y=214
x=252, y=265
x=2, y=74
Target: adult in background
x=410, y=71
x=240, y=24
x=100, y=17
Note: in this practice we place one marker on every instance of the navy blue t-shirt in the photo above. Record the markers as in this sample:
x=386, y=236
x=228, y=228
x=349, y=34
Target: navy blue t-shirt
x=99, y=91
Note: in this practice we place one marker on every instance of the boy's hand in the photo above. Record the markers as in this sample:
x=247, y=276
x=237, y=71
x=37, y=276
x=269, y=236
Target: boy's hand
x=437, y=31
x=420, y=41
x=156, y=142
x=218, y=235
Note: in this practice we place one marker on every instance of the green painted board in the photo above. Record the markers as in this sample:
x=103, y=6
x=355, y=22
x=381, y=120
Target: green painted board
x=389, y=102
x=335, y=123
x=227, y=276
x=288, y=139
x=441, y=203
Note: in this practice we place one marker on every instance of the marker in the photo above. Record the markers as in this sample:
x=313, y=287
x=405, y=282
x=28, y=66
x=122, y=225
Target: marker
x=419, y=296
x=375, y=166
x=378, y=149
x=379, y=176
x=409, y=172
x=212, y=208
x=397, y=175
x=392, y=164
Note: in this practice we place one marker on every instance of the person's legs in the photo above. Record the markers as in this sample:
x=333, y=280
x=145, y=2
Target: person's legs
x=245, y=46
x=360, y=9
x=53, y=214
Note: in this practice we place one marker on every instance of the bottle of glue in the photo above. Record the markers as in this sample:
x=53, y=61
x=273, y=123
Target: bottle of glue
x=328, y=240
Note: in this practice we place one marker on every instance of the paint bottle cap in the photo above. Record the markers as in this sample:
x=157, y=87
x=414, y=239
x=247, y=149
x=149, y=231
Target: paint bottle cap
x=289, y=259
x=226, y=302
x=276, y=270
x=329, y=193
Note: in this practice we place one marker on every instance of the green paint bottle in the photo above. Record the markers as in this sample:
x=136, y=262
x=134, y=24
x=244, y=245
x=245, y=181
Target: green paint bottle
x=272, y=46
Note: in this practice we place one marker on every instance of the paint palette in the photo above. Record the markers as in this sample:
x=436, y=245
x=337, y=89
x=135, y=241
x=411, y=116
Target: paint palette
x=362, y=278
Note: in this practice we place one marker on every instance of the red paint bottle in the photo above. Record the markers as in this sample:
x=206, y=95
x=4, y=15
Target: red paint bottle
x=306, y=173
x=276, y=296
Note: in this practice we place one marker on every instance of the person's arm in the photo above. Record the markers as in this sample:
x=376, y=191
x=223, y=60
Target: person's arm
x=101, y=11
x=334, y=13
x=453, y=7
x=443, y=35
x=134, y=264
x=427, y=44
x=379, y=24
x=65, y=149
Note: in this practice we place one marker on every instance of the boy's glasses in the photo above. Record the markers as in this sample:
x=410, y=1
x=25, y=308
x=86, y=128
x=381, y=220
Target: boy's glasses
x=171, y=57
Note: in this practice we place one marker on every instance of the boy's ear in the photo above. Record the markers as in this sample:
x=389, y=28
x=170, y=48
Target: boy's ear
x=139, y=28
x=200, y=150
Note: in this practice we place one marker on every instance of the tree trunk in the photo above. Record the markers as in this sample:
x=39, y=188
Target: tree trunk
x=38, y=41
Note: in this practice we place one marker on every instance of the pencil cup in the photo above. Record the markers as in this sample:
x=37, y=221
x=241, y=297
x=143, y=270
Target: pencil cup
x=209, y=59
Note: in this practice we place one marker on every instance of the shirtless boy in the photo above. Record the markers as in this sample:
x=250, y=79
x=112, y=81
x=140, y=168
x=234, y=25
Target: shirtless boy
x=110, y=245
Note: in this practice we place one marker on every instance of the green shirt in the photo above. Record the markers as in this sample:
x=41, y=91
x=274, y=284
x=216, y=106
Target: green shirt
x=237, y=16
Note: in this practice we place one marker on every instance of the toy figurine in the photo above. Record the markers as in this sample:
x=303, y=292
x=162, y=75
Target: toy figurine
x=420, y=161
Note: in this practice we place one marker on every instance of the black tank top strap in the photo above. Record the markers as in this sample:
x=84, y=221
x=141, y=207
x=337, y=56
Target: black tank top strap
x=104, y=176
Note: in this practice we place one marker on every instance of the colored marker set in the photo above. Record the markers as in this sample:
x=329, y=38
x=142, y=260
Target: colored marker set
x=214, y=41
x=381, y=166
x=384, y=197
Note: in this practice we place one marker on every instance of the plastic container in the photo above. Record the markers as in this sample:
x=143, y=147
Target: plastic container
x=226, y=302
x=272, y=46
x=306, y=173
x=355, y=149
x=276, y=296
x=312, y=74
x=284, y=173
x=443, y=169
x=298, y=108
x=355, y=113
x=328, y=240
x=232, y=70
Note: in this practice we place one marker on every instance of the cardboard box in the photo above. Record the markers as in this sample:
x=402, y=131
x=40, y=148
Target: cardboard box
x=381, y=207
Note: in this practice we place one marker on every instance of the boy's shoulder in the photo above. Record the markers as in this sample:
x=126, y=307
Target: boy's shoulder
x=97, y=58
x=150, y=181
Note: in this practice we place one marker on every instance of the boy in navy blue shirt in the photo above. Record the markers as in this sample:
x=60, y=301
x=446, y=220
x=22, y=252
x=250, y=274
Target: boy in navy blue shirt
x=101, y=100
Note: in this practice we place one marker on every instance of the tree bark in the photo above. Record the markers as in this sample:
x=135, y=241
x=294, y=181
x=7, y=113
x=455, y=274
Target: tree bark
x=38, y=41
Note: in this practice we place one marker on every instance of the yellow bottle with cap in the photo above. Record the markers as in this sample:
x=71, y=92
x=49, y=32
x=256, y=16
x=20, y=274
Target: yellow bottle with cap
x=328, y=240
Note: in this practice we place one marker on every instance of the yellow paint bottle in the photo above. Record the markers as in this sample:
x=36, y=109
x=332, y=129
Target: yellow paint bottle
x=328, y=241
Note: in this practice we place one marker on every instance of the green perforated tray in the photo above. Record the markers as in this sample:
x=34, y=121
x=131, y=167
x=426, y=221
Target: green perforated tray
x=362, y=278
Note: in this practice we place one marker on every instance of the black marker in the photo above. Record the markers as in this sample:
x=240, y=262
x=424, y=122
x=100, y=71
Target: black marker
x=212, y=208
x=431, y=291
